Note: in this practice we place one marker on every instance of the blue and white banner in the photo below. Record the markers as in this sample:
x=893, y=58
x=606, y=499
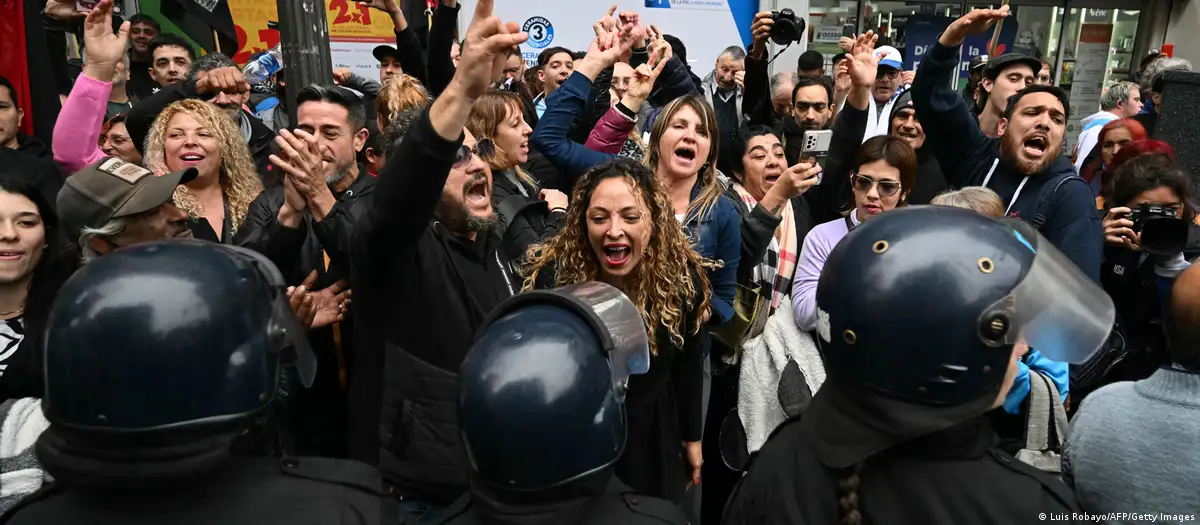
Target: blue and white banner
x=922, y=32
x=706, y=27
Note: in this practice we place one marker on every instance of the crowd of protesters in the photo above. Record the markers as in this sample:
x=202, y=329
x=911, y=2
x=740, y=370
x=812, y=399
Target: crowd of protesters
x=401, y=212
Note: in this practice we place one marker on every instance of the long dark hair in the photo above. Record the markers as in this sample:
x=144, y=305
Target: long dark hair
x=59, y=260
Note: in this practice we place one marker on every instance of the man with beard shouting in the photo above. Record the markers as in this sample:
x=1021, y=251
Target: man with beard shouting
x=427, y=267
x=1025, y=165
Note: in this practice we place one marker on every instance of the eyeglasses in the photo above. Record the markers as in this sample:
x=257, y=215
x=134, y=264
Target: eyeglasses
x=803, y=107
x=887, y=188
x=484, y=149
x=891, y=74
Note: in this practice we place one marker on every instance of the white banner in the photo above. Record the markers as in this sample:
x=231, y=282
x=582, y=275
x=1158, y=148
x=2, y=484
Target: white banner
x=1087, y=83
x=706, y=27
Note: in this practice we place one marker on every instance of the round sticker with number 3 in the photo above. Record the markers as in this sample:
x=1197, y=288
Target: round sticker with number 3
x=541, y=32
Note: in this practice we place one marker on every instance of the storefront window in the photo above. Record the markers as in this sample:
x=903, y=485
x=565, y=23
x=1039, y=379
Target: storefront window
x=828, y=21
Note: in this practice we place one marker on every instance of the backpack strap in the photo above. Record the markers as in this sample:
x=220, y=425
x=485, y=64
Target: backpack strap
x=1039, y=218
x=512, y=206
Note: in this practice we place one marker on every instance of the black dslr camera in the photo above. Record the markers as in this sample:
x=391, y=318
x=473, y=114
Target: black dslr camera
x=1162, y=231
x=788, y=27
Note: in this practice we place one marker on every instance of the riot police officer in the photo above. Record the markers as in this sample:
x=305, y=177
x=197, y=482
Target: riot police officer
x=157, y=357
x=922, y=316
x=542, y=413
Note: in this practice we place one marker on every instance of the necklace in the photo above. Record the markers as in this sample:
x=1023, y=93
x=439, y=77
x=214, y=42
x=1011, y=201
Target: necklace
x=15, y=313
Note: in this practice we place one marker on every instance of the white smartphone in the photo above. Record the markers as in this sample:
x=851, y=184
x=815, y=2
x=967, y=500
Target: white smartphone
x=816, y=143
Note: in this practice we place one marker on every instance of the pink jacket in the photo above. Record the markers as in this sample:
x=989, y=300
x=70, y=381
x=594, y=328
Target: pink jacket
x=610, y=132
x=77, y=131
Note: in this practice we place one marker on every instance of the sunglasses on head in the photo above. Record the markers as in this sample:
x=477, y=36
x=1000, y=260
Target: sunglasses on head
x=483, y=148
x=887, y=188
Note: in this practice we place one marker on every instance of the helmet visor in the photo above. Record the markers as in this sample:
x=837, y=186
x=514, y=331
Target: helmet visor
x=294, y=347
x=626, y=342
x=1055, y=309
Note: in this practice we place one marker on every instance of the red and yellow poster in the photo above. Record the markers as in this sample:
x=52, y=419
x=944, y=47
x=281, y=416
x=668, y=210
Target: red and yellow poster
x=348, y=22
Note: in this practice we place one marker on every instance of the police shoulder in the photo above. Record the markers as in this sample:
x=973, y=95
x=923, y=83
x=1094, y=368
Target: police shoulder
x=348, y=474
x=1058, y=493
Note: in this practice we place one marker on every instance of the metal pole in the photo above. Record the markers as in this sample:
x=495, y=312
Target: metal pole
x=304, y=39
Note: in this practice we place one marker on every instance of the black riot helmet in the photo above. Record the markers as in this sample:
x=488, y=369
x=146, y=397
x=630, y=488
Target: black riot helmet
x=918, y=312
x=542, y=391
x=176, y=336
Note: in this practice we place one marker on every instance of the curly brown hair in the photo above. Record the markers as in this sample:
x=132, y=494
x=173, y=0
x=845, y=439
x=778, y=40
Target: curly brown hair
x=670, y=276
x=239, y=178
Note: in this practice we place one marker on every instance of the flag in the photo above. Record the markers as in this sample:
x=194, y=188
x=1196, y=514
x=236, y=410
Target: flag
x=207, y=22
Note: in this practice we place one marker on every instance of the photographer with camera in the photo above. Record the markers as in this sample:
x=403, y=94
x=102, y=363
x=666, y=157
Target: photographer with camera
x=762, y=94
x=1146, y=234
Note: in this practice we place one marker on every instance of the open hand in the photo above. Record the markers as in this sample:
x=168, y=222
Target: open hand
x=863, y=64
x=301, y=302
x=974, y=22
x=104, y=49
x=907, y=78
x=841, y=78
x=330, y=304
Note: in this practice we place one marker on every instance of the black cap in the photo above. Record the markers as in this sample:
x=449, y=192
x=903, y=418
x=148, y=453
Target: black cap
x=997, y=65
x=978, y=62
x=385, y=51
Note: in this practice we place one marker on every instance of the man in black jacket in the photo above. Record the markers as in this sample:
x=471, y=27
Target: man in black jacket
x=212, y=78
x=1025, y=165
x=427, y=270
x=303, y=226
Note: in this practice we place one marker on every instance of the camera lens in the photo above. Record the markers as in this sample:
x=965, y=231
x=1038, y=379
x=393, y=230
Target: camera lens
x=1163, y=235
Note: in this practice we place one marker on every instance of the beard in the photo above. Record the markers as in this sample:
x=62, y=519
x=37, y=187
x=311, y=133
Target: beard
x=808, y=125
x=458, y=217
x=1010, y=147
x=339, y=174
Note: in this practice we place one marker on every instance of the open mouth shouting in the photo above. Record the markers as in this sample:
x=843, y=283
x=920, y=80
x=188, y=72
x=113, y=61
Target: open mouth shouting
x=1035, y=145
x=685, y=155
x=476, y=192
x=771, y=176
x=616, y=254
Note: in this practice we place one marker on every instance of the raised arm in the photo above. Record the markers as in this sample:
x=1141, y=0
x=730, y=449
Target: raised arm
x=408, y=44
x=951, y=129
x=756, y=105
x=410, y=186
x=441, y=39
x=77, y=130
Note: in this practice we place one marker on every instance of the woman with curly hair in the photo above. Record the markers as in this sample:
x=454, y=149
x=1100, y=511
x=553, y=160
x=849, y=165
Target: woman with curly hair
x=195, y=134
x=621, y=230
x=527, y=212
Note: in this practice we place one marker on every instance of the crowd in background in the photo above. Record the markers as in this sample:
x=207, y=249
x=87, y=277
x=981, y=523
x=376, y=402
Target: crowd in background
x=402, y=210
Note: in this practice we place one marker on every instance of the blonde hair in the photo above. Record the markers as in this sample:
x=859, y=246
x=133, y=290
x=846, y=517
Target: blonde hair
x=976, y=198
x=238, y=177
x=710, y=188
x=668, y=279
x=488, y=113
x=398, y=94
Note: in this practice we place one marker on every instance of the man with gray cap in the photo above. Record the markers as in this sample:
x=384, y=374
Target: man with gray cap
x=974, y=75
x=112, y=203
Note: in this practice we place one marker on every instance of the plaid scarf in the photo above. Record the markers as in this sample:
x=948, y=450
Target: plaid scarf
x=774, y=273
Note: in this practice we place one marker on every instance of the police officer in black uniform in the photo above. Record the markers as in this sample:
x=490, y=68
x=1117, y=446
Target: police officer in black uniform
x=542, y=414
x=157, y=357
x=922, y=315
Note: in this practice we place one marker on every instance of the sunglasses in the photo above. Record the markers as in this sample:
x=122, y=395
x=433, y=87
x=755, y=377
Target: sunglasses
x=891, y=74
x=484, y=149
x=887, y=188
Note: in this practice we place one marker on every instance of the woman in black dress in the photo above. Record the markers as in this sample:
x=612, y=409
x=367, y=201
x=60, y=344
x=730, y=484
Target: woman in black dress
x=621, y=230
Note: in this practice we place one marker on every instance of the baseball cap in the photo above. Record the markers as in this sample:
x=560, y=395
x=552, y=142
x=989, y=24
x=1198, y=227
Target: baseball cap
x=997, y=65
x=111, y=188
x=978, y=62
x=889, y=57
x=385, y=51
